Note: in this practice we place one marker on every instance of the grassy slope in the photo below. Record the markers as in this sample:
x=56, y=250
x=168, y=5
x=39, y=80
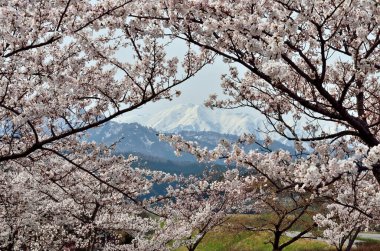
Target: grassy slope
x=220, y=240
x=225, y=238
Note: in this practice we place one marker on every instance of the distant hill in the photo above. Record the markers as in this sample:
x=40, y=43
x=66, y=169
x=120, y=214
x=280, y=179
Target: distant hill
x=144, y=140
x=135, y=138
x=185, y=168
x=172, y=166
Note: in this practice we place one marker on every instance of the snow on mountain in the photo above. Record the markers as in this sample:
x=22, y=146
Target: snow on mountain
x=189, y=117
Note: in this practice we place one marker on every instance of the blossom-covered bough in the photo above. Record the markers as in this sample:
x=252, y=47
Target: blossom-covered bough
x=47, y=203
x=302, y=62
x=311, y=68
x=68, y=66
x=277, y=213
x=200, y=204
x=326, y=186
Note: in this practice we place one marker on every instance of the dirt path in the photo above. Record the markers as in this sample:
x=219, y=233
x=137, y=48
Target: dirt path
x=373, y=236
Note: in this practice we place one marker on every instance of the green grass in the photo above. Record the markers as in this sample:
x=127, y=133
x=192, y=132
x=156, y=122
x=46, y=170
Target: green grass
x=308, y=245
x=222, y=240
x=250, y=241
x=261, y=219
x=367, y=240
x=227, y=238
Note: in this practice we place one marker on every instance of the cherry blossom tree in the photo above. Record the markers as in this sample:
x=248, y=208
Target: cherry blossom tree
x=290, y=187
x=68, y=66
x=284, y=211
x=342, y=226
x=51, y=204
x=354, y=208
x=302, y=63
x=201, y=204
x=311, y=69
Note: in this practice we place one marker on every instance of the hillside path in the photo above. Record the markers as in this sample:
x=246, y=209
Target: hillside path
x=372, y=236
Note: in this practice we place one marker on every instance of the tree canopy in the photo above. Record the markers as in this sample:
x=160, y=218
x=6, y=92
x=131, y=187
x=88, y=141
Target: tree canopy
x=68, y=66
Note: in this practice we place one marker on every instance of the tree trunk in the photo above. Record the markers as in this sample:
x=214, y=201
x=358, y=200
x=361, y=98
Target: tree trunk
x=376, y=172
x=352, y=239
x=276, y=241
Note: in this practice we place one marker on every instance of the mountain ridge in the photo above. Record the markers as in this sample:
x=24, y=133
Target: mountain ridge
x=190, y=117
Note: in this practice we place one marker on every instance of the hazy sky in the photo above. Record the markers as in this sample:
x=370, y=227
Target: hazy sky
x=197, y=89
x=194, y=91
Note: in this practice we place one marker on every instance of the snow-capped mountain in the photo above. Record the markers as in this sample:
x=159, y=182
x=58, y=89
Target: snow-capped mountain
x=189, y=117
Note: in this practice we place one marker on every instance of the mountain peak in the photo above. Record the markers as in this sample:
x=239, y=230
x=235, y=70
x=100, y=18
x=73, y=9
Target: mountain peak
x=192, y=117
